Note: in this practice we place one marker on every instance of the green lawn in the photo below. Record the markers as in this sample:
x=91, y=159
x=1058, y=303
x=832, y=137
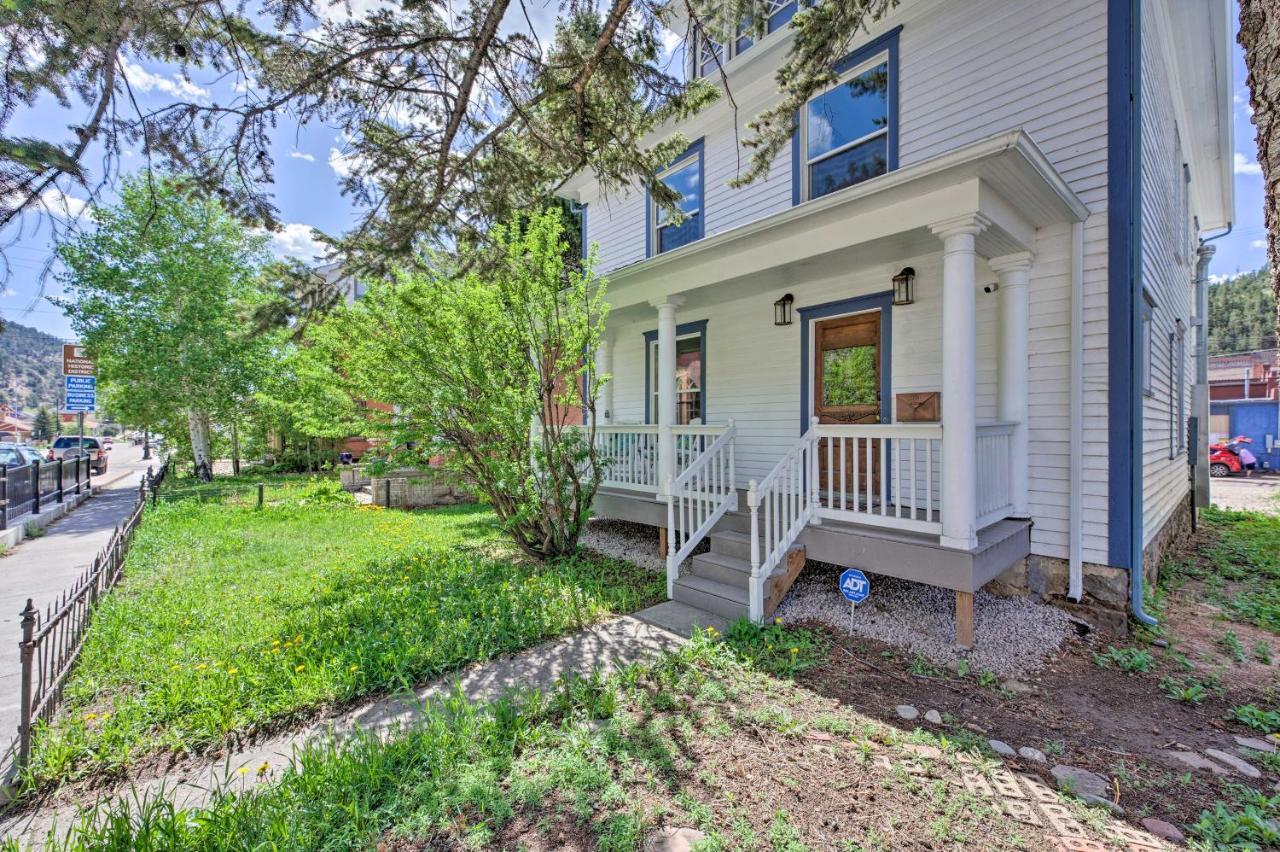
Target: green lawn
x=232, y=619
x=1240, y=568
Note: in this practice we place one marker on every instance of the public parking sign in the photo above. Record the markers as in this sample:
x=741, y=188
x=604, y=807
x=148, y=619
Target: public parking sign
x=81, y=393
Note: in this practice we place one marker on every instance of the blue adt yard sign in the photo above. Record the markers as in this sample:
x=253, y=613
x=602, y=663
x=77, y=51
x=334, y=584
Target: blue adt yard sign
x=855, y=586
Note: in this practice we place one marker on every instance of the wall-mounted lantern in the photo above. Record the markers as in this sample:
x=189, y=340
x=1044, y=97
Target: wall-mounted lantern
x=904, y=286
x=782, y=310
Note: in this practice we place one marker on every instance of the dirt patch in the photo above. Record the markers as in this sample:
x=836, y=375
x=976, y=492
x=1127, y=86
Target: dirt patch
x=1078, y=713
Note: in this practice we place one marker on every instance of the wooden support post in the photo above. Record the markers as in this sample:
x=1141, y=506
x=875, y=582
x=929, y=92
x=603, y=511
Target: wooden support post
x=964, y=619
x=662, y=542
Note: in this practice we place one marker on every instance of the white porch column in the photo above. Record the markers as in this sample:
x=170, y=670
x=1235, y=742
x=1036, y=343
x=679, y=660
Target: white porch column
x=604, y=367
x=1014, y=270
x=959, y=379
x=666, y=387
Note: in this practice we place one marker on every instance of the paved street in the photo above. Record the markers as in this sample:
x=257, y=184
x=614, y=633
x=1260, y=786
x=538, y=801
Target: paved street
x=42, y=568
x=1258, y=493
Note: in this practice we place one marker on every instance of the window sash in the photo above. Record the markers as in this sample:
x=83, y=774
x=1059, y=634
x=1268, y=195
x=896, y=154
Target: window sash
x=690, y=399
x=882, y=58
x=661, y=220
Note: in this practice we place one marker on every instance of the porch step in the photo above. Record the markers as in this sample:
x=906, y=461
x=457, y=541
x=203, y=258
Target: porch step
x=731, y=543
x=708, y=595
x=721, y=567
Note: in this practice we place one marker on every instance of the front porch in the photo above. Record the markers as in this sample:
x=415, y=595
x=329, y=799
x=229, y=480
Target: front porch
x=930, y=485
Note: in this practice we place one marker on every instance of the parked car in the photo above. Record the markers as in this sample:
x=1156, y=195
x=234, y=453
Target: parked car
x=70, y=447
x=107, y=443
x=15, y=455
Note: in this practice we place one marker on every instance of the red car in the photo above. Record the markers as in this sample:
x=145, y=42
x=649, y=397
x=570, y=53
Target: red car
x=1223, y=458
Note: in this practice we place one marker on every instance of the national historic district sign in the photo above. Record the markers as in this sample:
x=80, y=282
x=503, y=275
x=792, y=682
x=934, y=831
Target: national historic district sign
x=855, y=586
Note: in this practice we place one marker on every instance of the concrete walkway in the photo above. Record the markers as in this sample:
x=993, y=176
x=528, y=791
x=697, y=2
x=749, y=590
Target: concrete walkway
x=607, y=647
x=42, y=568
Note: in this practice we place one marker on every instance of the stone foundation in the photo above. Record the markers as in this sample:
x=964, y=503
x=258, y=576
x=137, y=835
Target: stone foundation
x=413, y=489
x=1044, y=579
x=1105, y=602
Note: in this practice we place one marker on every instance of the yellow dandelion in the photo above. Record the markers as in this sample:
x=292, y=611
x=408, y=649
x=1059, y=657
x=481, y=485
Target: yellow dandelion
x=777, y=621
x=243, y=770
x=297, y=639
x=89, y=717
x=264, y=768
x=201, y=666
x=299, y=668
x=232, y=670
x=795, y=650
x=275, y=642
x=275, y=650
x=175, y=667
x=353, y=668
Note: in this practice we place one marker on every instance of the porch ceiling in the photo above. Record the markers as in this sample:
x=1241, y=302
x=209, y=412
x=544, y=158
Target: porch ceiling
x=1006, y=178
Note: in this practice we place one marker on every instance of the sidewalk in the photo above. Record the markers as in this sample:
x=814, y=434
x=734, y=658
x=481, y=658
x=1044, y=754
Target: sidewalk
x=606, y=647
x=42, y=568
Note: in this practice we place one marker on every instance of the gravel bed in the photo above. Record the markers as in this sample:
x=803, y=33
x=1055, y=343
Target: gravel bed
x=1012, y=636
x=636, y=543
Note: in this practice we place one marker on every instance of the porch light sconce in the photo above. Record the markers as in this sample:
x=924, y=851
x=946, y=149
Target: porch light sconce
x=782, y=310
x=904, y=286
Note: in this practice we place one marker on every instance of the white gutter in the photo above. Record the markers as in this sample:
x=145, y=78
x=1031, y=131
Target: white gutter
x=1075, y=530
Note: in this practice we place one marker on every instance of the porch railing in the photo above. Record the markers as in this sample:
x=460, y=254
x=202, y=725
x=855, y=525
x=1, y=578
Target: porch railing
x=995, y=465
x=881, y=475
x=700, y=494
x=628, y=452
x=781, y=505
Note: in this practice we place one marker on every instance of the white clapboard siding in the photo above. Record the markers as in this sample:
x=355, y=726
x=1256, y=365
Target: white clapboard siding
x=967, y=70
x=1167, y=274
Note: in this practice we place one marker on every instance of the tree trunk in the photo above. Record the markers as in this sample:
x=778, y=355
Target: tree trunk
x=235, y=448
x=1260, y=37
x=201, y=449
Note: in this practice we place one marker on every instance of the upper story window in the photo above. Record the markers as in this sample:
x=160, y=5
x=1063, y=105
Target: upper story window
x=846, y=130
x=710, y=55
x=685, y=178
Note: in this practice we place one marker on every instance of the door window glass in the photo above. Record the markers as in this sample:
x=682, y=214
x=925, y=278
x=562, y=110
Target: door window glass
x=849, y=376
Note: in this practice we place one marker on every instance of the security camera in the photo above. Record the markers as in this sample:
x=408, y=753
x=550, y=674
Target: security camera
x=991, y=288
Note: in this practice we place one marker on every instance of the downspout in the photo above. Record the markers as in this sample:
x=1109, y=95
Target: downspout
x=1136, y=409
x=1200, y=391
x=1075, y=560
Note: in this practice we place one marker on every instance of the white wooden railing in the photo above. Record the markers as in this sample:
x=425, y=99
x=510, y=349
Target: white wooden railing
x=628, y=452
x=781, y=505
x=699, y=496
x=883, y=475
x=628, y=456
x=995, y=465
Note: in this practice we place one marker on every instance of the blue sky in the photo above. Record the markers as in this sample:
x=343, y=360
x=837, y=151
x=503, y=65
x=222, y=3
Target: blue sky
x=310, y=160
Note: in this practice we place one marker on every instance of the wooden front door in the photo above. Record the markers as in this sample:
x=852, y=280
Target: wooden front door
x=846, y=390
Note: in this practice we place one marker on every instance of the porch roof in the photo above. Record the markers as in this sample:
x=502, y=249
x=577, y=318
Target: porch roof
x=1005, y=177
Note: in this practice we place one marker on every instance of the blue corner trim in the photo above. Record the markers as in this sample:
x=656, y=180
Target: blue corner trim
x=1124, y=285
x=651, y=337
x=875, y=301
x=887, y=41
x=696, y=147
x=582, y=219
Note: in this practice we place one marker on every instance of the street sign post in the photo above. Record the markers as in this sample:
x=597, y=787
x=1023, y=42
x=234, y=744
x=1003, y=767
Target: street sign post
x=856, y=588
x=81, y=376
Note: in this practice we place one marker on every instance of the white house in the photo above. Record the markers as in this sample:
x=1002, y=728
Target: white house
x=953, y=335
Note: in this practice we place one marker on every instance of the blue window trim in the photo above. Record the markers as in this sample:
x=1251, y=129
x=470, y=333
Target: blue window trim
x=1124, y=284
x=782, y=17
x=695, y=147
x=882, y=301
x=582, y=219
x=651, y=337
x=885, y=42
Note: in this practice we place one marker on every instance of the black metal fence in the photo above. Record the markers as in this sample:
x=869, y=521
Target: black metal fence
x=32, y=488
x=51, y=640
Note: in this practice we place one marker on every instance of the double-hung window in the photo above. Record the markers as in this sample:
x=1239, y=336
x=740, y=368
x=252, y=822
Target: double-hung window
x=710, y=55
x=845, y=130
x=1177, y=390
x=691, y=348
x=685, y=179
x=1148, y=318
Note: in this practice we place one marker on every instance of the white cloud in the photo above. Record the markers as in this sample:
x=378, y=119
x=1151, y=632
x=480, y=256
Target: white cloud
x=58, y=203
x=6, y=292
x=145, y=81
x=1242, y=99
x=302, y=155
x=345, y=165
x=1245, y=166
x=670, y=40
x=296, y=240
x=1221, y=279
x=1258, y=244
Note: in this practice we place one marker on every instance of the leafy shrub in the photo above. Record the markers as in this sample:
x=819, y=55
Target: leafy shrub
x=1188, y=691
x=1266, y=721
x=774, y=648
x=325, y=492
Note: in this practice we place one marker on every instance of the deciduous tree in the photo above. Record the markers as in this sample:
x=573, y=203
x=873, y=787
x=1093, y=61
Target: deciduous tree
x=159, y=291
x=1259, y=35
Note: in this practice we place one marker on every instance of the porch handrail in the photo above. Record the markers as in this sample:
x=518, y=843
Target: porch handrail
x=788, y=496
x=994, y=490
x=699, y=497
x=881, y=474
